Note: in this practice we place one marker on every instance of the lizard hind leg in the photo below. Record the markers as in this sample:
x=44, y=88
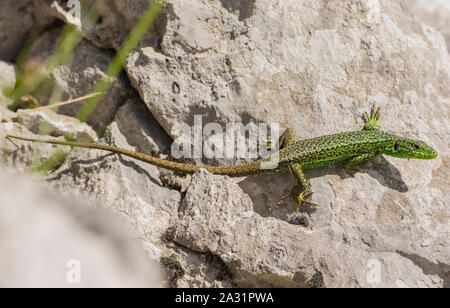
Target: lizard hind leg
x=286, y=139
x=300, y=191
x=372, y=118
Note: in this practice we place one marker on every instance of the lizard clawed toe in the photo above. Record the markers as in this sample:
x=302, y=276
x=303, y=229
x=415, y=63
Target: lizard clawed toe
x=372, y=118
x=299, y=195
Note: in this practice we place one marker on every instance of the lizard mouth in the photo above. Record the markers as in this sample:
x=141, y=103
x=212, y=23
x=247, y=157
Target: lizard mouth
x=430, y=155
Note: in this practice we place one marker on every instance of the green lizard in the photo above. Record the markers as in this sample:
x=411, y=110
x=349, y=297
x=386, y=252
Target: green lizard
x=353, y=147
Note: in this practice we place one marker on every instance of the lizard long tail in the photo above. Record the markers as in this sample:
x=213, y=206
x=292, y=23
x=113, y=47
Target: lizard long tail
x=239, y=170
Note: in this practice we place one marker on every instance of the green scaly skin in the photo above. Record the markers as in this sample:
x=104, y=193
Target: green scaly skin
x=354, y=148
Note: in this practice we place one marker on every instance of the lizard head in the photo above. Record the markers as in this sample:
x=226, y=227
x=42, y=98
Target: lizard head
x=409, y=148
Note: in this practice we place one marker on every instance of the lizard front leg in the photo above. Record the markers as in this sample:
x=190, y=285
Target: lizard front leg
x=300, y=191
x=357, y=160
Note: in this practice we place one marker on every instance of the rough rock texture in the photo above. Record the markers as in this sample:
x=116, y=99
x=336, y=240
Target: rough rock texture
x=19, y=20
x=7, y=82
x=117, y=18
x=318, y=60
x=46, y=239
x=87, y=67
x=7, y=77
x=315, y=66
x=123, y=185
x=26, y=156
x=388, y=249
x=48, y=123
x=130, y=189
x=434, y=13
x=141, y=129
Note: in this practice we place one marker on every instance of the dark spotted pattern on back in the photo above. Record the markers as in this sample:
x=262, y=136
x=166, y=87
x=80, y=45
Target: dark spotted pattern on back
x=326, y=150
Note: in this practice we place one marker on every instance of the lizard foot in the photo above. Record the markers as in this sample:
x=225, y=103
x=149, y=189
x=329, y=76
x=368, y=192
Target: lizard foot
x=372, y=118
x=299, y=195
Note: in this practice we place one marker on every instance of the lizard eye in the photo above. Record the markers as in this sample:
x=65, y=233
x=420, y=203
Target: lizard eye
x=396, y=147
x=416, y=147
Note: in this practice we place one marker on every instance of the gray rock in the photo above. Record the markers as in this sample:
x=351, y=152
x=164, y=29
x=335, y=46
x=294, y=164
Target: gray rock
x=27, y=156
x=14, y=27
x=142, y=131
x=50, y=241
x=49, y=123
x=316, y=69
x=374, y=244
x=88, y=66
x=7, y=82
x=434, y=13
x=140, y=128
x=191, y=269
x=315, y=66
x=7, y=77
x=18, y=21
x=310, y=63
x=112, y=28
x=129, y=188
x=124, y=185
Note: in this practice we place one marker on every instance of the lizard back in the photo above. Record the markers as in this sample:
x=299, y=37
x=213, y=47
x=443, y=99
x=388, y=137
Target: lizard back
x=329, y=149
